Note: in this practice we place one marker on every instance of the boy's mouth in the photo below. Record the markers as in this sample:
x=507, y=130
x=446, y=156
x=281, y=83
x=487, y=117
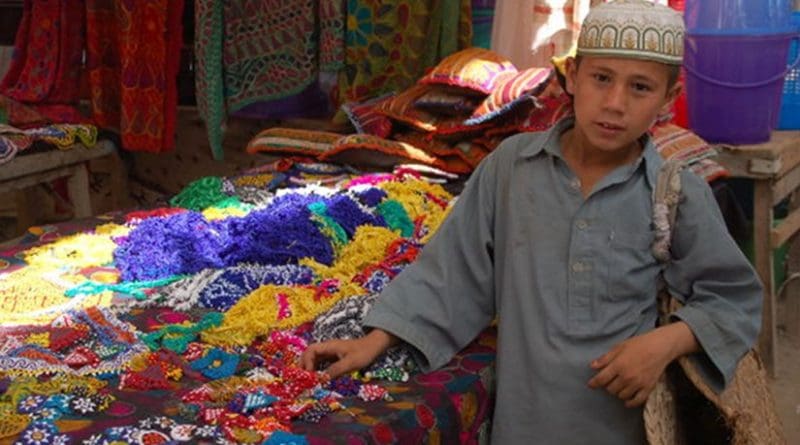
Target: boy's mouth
x=610, y=126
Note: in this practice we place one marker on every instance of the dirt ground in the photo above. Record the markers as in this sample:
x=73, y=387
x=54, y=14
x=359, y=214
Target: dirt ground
x=786, y=387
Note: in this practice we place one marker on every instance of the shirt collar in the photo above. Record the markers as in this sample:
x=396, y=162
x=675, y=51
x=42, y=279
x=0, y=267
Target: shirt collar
x=550, y=144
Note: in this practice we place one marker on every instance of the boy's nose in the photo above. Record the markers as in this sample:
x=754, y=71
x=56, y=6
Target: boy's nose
x=615, y=98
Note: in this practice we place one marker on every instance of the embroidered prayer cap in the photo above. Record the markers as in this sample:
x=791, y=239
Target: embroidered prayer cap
x=638, y=29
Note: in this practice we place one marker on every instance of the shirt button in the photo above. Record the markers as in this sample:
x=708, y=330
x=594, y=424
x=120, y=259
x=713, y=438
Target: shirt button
x=575, y=184
x=577, y=266
x=582, y=224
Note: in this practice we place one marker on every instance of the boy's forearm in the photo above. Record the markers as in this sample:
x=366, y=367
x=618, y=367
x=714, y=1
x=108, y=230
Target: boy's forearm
x=680, y=338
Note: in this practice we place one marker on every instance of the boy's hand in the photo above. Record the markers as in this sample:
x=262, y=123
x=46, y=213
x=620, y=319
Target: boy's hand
x=631, y=369
x=349, y=355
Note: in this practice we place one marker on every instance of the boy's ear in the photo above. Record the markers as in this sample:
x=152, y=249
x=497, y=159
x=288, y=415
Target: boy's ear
x=570, y=75
x=669, y=99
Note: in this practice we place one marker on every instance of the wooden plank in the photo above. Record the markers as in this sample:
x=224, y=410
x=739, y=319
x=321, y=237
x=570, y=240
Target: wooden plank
x=762, y=228
x=789, y=299
x=786, y=229
x=24, y=165
x=785, y=185
x=36, y=178
x=769, y=159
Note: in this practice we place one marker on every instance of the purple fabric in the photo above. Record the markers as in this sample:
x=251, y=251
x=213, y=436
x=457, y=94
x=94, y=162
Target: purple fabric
x=311, y=102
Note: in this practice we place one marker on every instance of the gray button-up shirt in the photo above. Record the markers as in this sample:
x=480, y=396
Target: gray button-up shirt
x=568, y=278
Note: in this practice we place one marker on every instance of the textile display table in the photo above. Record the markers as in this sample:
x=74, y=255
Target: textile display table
x=774, y=167
x=28, y=170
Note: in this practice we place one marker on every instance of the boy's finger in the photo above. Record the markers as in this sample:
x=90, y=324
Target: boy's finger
x=638, y=400
x=604, y=360
x=337, y=368
x=602, y=379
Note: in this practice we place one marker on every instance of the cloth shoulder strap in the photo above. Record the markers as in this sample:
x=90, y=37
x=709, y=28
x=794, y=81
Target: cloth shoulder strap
x=666, y=197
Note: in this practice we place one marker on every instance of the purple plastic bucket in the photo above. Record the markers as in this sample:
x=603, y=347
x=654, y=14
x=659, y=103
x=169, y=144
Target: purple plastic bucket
x=734, y=85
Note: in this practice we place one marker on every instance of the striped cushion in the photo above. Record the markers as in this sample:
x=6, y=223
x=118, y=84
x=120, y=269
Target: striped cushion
x=511, y=90
x=476, y=69
x=371, y=151
x=291, y=141
x=365, y=117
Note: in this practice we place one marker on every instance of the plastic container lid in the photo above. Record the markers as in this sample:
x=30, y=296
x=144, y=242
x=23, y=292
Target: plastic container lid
x=738, y=16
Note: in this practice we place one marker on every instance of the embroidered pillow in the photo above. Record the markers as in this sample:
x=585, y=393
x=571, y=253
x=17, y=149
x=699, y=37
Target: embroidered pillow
x=425, y=142
x=475, y=69
x=511, y=91
x=549, y=111
x=447, y=101
x=292, y=141
x=365, y=117
x=674, y=142
x=372, y=151
x=401, y=108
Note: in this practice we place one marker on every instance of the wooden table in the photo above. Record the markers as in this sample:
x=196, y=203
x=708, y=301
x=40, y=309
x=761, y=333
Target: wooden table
x=27, y=170
x=774, y=167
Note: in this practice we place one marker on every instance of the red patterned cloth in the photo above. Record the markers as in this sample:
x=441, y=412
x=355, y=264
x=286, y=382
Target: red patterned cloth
x=133, y=54
x=132, y=60
x=42, y=82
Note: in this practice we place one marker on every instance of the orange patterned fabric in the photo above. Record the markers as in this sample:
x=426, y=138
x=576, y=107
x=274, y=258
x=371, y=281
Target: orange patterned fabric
x=511, y=90
x=402, y=109
x=476, y=69
x=371, y=151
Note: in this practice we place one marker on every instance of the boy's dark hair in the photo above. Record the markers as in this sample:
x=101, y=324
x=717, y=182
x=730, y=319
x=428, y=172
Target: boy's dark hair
x=672, y=74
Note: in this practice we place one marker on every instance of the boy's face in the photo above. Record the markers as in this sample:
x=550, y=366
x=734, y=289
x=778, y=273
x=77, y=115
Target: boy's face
x=616, y=100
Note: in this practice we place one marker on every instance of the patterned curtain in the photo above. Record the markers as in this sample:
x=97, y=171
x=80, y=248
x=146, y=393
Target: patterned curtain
x=390, y=44
x=257, y=50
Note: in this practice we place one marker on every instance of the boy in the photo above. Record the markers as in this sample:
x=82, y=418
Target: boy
x=552, y=235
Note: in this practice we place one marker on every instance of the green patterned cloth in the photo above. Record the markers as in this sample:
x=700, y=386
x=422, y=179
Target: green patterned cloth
x=390, y=44
x=256, y=50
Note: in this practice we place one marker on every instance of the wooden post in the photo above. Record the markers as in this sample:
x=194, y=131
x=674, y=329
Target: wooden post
x=78, y=189
x=762, y=251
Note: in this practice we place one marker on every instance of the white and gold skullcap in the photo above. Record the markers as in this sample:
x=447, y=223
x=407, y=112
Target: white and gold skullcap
x=638, y=29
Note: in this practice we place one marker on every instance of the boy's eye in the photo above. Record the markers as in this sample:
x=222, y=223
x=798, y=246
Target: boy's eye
x=601, y=77
x=642, y=87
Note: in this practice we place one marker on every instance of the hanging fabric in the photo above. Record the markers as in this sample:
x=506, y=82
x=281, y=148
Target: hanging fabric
x=272, y=49
x=389, y=45
x=133, y=55
x=42, y=80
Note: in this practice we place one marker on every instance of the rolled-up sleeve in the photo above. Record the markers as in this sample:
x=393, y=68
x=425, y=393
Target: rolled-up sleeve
x=721, y=291
x=443, y=300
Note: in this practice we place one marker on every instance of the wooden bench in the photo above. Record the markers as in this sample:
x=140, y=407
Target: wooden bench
x=28, y=170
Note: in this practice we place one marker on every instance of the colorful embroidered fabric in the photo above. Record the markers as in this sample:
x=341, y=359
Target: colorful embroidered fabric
x=475, y=69
x=389, y=45
x=185, y=387
x=14, y=140
x=132, y=61
x=83, y=342
x=270, y=51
